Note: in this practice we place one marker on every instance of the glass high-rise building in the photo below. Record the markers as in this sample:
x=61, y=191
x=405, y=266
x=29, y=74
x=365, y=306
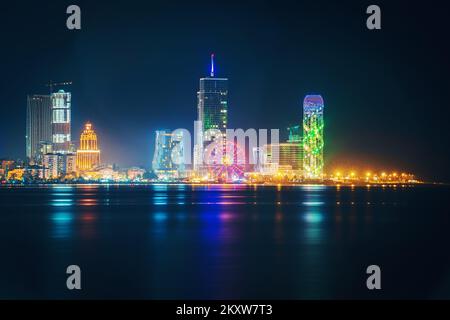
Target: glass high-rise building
x=212, y=111
x=38, y=124
x=61, y=122
x=167, y=159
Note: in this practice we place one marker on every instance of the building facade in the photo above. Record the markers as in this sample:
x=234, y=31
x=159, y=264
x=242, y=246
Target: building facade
x=212, y=112
x=281, y=157
x=88, y=155
x=45, y=147
x=313, y=138
x=294, y=148
x=57, y=165
x=70, y=163
x=52, y=166
x=135, y=173
x=290, y=155
x=167, y=158
x=38, y=124
x=61, y=122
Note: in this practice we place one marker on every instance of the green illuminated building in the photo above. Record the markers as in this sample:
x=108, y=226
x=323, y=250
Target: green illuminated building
x=213, y=102
x=212, y=110
x=313, y=140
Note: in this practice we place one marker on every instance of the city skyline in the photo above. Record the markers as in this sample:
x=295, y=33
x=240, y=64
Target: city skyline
x=127, y=90
x=212, y=116
x=220, y=154
x=206, y=156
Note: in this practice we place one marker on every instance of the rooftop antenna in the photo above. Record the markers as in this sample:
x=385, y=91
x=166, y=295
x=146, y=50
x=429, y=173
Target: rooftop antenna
x=212, y=65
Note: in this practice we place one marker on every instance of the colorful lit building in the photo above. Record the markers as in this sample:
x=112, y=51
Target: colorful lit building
x=313, y=139
x=61, y=122
x=88, y=155
x=212, y=112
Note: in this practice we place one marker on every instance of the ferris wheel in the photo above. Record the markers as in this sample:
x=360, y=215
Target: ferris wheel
x=225, y=161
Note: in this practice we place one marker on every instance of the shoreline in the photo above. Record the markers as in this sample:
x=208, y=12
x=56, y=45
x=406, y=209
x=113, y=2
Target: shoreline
x=305, y=184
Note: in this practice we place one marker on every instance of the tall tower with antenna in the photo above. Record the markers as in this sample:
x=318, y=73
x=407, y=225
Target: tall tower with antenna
x=212, y=111
x=212, y=65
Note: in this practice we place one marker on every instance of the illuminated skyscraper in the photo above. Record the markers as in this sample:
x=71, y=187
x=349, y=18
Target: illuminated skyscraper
x=313, y=140
x=212, y=101
x=88, y=156
x=61, y=108
x=39, y=124
x=212, y=108
x=167, y=159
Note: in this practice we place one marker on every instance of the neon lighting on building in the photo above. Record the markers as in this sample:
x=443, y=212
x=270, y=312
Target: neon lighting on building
x=313, y=140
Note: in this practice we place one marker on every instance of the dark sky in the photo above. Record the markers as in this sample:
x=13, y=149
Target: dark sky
x=136, y=64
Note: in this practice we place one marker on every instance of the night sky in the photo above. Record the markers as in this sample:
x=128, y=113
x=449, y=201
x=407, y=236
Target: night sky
x=136, y=65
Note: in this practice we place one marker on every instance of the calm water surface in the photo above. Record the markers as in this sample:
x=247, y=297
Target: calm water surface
x=214, y=242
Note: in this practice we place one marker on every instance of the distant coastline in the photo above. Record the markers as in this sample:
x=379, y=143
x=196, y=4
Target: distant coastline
x=149, y=183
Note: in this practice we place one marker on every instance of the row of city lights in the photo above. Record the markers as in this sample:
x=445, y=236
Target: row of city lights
x=369, y=175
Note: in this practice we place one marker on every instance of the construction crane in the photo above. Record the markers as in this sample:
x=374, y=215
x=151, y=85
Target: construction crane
x=52, y=84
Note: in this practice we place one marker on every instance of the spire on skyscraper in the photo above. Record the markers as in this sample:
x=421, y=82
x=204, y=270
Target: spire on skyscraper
x=212, y=65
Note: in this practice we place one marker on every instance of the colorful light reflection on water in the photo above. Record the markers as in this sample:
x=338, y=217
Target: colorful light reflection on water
x=181, y=241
